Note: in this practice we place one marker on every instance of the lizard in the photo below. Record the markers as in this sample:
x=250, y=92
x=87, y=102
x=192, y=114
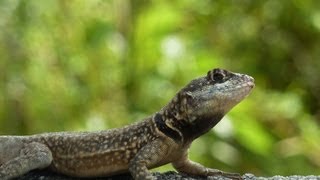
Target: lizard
x=159, y=139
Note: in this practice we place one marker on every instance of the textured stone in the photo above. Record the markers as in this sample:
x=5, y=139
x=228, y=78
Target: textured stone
x=170, y=175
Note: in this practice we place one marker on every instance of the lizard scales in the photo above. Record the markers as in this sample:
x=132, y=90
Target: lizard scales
x=162, y=138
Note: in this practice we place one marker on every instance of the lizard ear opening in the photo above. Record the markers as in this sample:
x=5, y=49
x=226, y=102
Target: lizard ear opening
x=187, y=105
x=184, y=100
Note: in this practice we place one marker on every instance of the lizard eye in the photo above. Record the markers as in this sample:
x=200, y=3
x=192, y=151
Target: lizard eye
x=216, y=75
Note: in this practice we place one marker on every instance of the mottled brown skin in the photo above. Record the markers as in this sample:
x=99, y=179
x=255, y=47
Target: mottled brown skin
x=162, y=138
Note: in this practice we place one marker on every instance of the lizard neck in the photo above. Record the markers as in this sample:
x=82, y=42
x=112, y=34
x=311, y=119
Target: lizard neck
x=166, y=129
x=180, y=129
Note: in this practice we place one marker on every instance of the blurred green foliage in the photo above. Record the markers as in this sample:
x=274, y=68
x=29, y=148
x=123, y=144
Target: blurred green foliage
x=89, y=65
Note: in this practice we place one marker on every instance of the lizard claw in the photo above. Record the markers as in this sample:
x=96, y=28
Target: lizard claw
x=235, y=176
x=214, y=172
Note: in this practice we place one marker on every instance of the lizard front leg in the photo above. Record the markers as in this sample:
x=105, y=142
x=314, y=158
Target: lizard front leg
x=187, y=166
x=148, y=156
x=32, y=156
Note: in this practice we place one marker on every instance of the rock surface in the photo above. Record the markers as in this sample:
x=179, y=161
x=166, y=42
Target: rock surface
x=170, y=175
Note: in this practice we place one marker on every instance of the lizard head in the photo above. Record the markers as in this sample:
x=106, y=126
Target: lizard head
x=201, y=104
x=214, y=94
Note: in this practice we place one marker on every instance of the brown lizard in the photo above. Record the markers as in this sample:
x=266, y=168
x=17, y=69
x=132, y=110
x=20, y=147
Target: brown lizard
x=162, y=138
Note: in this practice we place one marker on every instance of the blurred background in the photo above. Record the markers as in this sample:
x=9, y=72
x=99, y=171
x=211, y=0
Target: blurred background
x=89, y=65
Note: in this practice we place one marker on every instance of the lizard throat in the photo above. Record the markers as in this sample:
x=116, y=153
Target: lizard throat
x=201, y=126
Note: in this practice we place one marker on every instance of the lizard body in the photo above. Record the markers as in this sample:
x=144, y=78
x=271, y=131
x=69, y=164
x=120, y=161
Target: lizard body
x=162, y=138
